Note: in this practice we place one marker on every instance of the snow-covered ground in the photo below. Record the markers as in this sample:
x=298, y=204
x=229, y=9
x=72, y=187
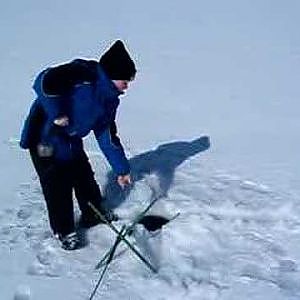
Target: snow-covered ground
x=211, y=126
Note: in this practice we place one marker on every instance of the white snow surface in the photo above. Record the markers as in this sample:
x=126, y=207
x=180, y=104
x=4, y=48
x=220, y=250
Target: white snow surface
x=224, y=72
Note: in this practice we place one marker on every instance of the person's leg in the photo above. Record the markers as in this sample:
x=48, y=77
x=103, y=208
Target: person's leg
x=85, y=186
x=56, y=184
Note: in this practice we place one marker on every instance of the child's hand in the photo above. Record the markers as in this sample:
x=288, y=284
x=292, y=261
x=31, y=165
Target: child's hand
x=124, y=180
x=61, y=121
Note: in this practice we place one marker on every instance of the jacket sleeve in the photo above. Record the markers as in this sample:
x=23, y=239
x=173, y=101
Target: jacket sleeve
x=112, y=148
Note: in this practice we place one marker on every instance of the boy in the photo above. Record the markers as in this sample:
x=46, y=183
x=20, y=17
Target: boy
x=74, y=99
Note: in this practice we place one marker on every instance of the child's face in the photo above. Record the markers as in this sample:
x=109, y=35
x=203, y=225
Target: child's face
x=121, y=85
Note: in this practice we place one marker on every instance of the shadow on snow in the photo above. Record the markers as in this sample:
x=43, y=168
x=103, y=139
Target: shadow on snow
x=162, y=161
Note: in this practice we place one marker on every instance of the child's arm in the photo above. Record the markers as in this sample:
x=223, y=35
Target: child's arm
x=113, y=150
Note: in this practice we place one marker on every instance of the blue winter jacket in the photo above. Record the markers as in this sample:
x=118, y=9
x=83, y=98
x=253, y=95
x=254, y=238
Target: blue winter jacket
x=90, y=106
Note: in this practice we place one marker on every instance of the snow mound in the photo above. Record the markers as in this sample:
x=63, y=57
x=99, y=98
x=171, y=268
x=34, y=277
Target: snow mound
x=23, y=293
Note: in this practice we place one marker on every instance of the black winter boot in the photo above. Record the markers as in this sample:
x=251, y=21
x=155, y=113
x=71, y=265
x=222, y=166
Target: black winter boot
x=69, y=241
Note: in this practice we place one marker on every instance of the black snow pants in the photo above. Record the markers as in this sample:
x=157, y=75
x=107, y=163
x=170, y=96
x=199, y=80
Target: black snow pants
x=58, y=180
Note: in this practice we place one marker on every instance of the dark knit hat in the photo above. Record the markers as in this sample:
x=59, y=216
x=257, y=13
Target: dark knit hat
x=117, y=63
